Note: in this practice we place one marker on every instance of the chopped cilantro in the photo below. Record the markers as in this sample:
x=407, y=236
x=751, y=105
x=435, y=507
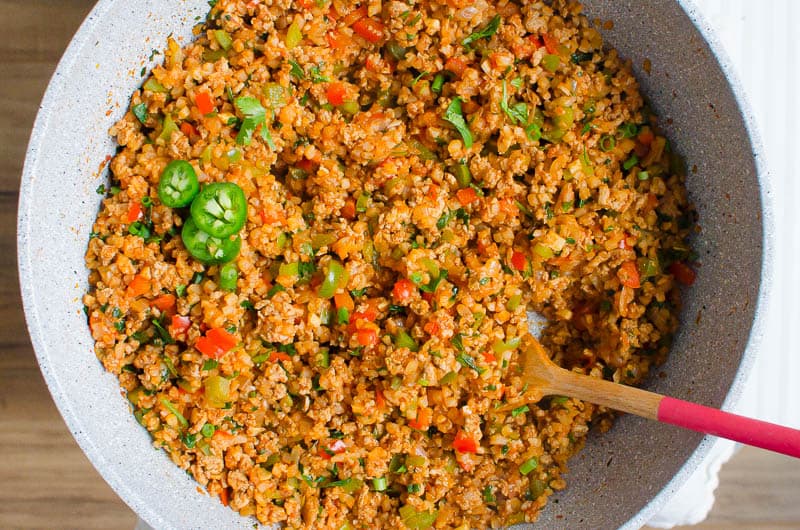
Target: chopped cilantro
x=520, y=410
x=518, y=112
x=457, y=342
x=419, y=76
x=275, y=289
x=469, y=362
x=247, y=304
x=316, y=74
x=210, y=364
x=254, y=115
x=483, y=33
x=296, y=70
x=444, y=219
x=488, y=495
x=162, y=333
x=189, y=440
x=463, y=216
x=580, y=57
x=456, y=118
x=140, y=111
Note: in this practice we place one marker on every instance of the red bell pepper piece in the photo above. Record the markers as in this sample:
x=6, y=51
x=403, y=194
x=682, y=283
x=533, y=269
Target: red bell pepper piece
x=518, y=260
x=204, y=103
x=464, y=444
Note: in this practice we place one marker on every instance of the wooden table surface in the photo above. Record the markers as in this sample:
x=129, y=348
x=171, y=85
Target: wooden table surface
x=45, y=480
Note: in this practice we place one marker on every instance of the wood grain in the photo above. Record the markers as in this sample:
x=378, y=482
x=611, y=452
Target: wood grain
x=29, y=51
x=45, y=480
x=543, y=374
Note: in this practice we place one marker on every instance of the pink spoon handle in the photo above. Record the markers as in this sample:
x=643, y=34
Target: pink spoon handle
x=731, y=426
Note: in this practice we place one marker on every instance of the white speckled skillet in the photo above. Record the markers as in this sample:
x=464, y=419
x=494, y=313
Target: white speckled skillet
x=623, y=477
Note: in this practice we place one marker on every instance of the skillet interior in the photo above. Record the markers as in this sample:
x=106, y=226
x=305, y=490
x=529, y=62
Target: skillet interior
x=611, y=481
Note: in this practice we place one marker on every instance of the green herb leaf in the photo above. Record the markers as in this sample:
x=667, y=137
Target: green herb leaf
x=170, y=407
x=297, y=70
x=250, y=106
x=519, y=410
x=163, y=333
x=463, y=216
x=419, y=76
x=140, y=111
x=518, y=113
x=580, y=57
x=484, y=33
x=316, y=74
x=306, y=269
x=349, y=484
x=444, y=219
x=247, y=304
x=287, y=348
x=267, y=136
x=210, y=364
x=254, y=115
x=456, y=118
x=488, y=495
x=189, y=440
x=469, y=362
x=138, y=228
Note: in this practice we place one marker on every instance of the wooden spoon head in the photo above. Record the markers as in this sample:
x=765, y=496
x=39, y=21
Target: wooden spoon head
x=537, y=368
x=538, y=372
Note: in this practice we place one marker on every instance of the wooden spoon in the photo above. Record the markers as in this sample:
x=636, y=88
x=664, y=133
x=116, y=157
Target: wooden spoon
x=547, y=379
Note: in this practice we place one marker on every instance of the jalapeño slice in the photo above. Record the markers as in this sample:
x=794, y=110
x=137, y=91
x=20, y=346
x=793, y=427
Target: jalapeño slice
x=220, y=209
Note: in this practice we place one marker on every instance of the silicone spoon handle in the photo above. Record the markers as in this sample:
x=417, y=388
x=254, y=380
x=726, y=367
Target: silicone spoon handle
x=731, y=426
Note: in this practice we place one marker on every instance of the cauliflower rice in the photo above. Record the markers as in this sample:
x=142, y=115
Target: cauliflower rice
x=418, y=176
